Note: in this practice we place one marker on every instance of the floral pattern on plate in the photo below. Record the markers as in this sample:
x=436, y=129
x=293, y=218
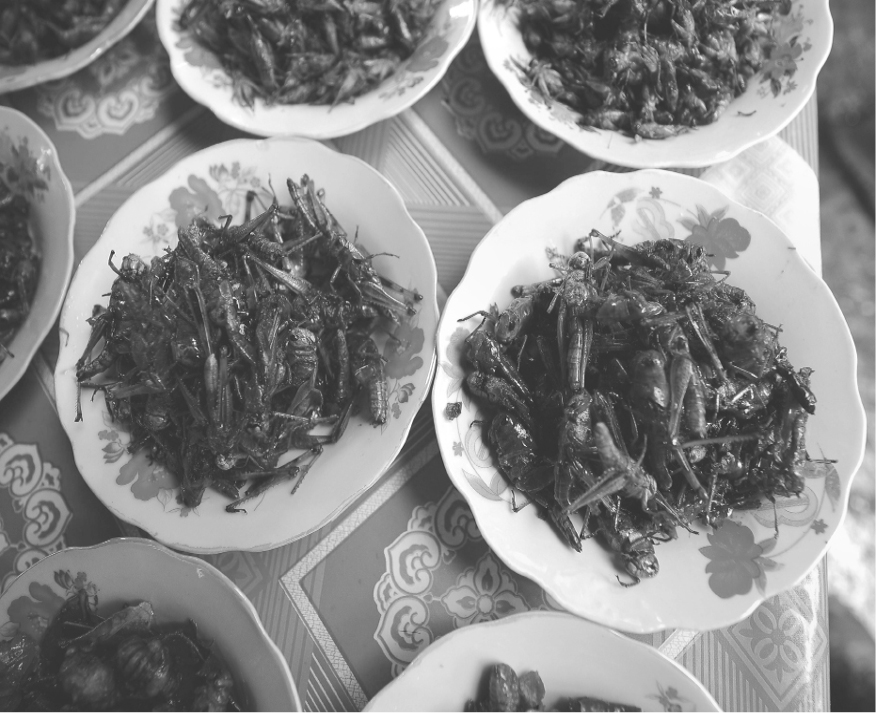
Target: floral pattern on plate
x=14, y=78
x=30, y=615
x=778, y=71
x=723, y=238
x=21, y=171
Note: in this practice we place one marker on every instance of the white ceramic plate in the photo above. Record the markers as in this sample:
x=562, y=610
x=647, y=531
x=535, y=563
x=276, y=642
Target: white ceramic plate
x=219, y=177
x=572, y=656
x=29, y=165
x=805, y=37
x=708, y=580
x=129, y=570
x=201, y=76
x=15, y=78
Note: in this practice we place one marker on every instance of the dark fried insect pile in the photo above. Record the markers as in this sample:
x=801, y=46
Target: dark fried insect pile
x=505, y=690
x=19, y=265
x=647, y=68
x=127, y=661
x=310, y=51
x=640, y=392
x=227, y=351
x=36, y=30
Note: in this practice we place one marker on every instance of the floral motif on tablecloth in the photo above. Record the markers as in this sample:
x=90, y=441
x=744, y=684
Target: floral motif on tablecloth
x=483, y=112
x=451, y=364
x=782, y=643
x=775, y=636
x=120, y=89
x=33, y=513
x=485, y=592
x=422, y=596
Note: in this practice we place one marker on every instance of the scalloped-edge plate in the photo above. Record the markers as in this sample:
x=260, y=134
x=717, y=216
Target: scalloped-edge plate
x=219, y=177
x=16, y=77
x=573, y=657
x=201, y=76
x=805, y=38
x=27, y=154
x=125, y=570
x=712, y=579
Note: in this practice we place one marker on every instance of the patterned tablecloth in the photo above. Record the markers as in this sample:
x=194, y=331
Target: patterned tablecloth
x=351, y=605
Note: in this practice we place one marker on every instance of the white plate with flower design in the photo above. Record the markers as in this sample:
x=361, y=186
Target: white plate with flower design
x=714, y=578
x=29, y=166
x=214, y=183
x=203, y=78
x=573, y=657
x=772, y=99
x=14, y=78
x=126, y=570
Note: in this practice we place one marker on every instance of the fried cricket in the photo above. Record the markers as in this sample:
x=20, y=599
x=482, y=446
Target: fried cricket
x=641, y=393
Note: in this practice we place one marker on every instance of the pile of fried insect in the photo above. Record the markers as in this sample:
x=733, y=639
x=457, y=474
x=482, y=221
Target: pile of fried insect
x=19, y=266
x=226, y=352
x=33, y=31
x=504, y=690
x=126, y=662
x=647, y=68
x=307, y=52
x=640, y=391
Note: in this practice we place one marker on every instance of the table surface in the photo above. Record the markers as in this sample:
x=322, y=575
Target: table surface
x=326, y=599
